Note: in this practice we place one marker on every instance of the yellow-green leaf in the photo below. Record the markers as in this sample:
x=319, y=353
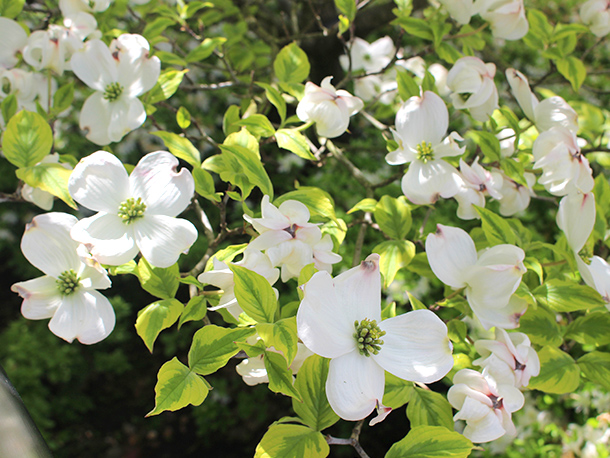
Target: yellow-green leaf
x=27, y=139
x=292, y=441
x=559, y=374
x=156, y=317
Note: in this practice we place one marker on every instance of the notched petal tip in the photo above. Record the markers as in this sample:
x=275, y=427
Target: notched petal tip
x=382, y=413
x=371, y=262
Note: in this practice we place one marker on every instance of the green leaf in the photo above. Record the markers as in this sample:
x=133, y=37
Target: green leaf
x=514, y=170
x=573, y=70
x=559, y=374
x=169, y=58
x=596, y=366
x=156, y=317
x=258, y=124
x=319, y=202
x=9, y=107
x=416, y=304
x=457, y=330
x=205, y=49
x=365, y=205
x=488, y=142
x=496, y=229
x=566, y=296
x=280, y=376
x=11, y=8
x=282, y=335
x=180, y=147
x=407, y=87
x=156, y=27
x=204, y=185
x=177, y=387
x=591, y=329
x=50, y=177
x=539, y=25
x=394, y=255
x=431, y=442
x=230, y=119
x=27, y=139
x=416, y=27
x=295, y=142
x=347, y=8
x=291, y=64
x=244, y=163
x=448, y=53
x=564, y=30
x=225, y=255
x=292, y=441
x=429, y=408
x=166, y=86
x=397, y=391
x=63, y=97
x=541, y=326
x=254, y=294
x=183, y=118
x=195, y=310
x=213, y=346
x=315, y=410
x=160, y=282
x=274, y=96
x=393, y=216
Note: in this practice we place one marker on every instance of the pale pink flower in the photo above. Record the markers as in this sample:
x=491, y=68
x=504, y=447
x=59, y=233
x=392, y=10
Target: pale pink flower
x=576, y=218
x=472, y=84
x=477, y=182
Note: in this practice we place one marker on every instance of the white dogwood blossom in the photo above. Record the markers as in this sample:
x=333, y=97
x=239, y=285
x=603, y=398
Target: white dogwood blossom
x=340, y=319
x=596, y=274
x=477, y=182
x=67, y=293
x=119, y=74
x=596, y=14
x=515, y=196
x=253, y=371
x=137, y=212
x=508, y=356
x=290, y=240
x=28, y=87
x=484, y=404
x=328, y=108
x=551, y=112
x=472, y=84
x=460, y=10
x=576, y=218
x=421, y=125
x=71, y=7
x=506, y=17
x=13, y=38
x=490, y=277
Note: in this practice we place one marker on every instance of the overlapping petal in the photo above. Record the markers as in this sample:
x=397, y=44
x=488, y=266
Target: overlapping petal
x=94, y=65
x=576, y=218
x=422, y=119
x=40, y=297
x=162, y=238
x=451, y=253
x=425, y=182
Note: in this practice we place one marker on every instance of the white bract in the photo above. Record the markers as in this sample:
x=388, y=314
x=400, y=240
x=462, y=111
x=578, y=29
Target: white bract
x=460, y=10
x=509, y=356
x=551, y=112
x=485, y=405
x=596, y=274
x=222, y=277
x=490, y=278
x=290, y=241
x=67, y=293
x=472, y=84
x=596, y=14
x=506, y=17
x=421, y=125
x=328, y=108
x=136, y=212
x=576, y=218
x=26, y=86
x=564, y=168
x=13, y=39
x=119, y=74
x=253, y=371
x=477, y=182
x=71, y=7
x=340, y=319
x=515, y=196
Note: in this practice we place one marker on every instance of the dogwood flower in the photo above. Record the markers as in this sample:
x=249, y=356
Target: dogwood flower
x=340, y=319
x=460, y=10
x=596, y=274
x=515, y=196
x=119, y=74
x=551, y=112
x=421, y=124
x=67, y=293
x=596, y=14
x=476, y=184
x=328, y=108
x=472, y=83
x=289, y=240
x=253, y=371
x=509, y=356
x=136, y=213
x=576, y=218
x=506, y=17
x=222, y=277
x=564, y=168
x=71, y=7
x=26, y=86
x=485, y=405
x=490, y=277
x=13, y=39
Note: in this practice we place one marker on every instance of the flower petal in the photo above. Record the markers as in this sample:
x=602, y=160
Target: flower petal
x=359, y=291
x=94, y=65
x=354, y=385
x=161, y=238
x=451, y=253
x=126, y=114
x=422, y=119
x=576, y=218
x=100, y=182
x=506, y=317
x=424, y=183
x=95, y=119
x=163, y=190
x=295, y=211
x=416, y=347
x=40, y=297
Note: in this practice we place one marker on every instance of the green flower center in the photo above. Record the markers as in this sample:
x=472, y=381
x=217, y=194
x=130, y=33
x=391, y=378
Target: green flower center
x=131, y=210
x=368, y=337
x=113, y=91
x=425, y=152
x=67, y=282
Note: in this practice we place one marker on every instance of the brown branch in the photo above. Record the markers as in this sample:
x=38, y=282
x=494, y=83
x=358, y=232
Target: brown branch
x=353, y=440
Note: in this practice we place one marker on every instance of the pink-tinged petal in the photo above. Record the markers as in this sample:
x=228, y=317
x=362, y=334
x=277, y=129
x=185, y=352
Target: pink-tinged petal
x=87, y=316
x=416, y=347
x=359, y=291
x=161, y=238
x=424, y=183
x=472, y=410
x=422, y=119
x=270, y=239
x=576, y=218
x=506, y=317
x=555, y=111
x=352, y=104
x=137, y=72
x=107, y=237
x=354, y=385
x=271, y=218
x=321, y=321
x=295, y=211
x=521, y=90
x=309, y=234
x=163, y=190
x=126, y=114
x=94, y=65
x=512, y=398
x=40, y=297
x=95, y=119
x=486, y=429
x=100, y=182
x=46, y=243
x=451, y=253
x=596, y=275
x=382, y=413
